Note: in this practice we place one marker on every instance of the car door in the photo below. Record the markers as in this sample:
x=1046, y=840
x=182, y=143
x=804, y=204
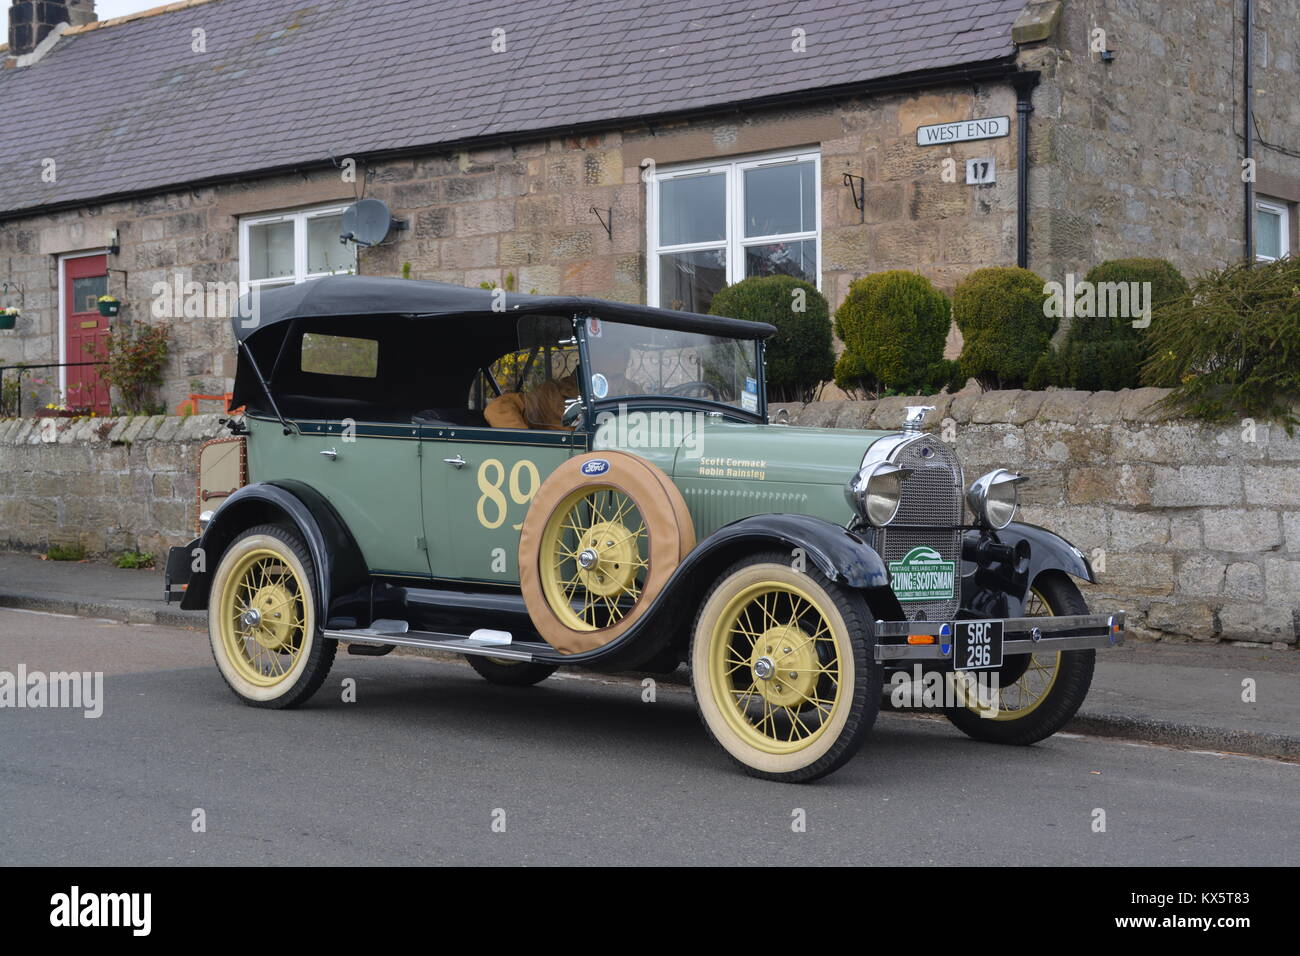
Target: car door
x=368, y=472
x=477, y=484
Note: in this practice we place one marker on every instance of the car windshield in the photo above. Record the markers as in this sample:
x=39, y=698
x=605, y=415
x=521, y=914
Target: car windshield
x=630, y=360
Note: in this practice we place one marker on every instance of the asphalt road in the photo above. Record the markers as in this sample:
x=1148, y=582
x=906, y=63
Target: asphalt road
x=584, y=770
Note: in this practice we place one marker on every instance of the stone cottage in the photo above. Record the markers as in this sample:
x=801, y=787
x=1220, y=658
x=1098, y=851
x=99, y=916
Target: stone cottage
x=649, y=153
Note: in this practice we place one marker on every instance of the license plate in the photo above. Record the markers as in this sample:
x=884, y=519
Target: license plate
x=977, y=645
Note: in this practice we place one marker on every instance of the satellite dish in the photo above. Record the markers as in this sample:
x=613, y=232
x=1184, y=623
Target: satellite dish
x=368, y=222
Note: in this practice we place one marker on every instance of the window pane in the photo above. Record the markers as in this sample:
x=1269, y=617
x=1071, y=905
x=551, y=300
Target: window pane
x=270, y=251
x=693, y=209
x=1268, y=233
x=86, y=293
x=340, y=355
x=688, y=280
x=798, y=259
x=628, y=360
x=780, y=199
x=324, y=251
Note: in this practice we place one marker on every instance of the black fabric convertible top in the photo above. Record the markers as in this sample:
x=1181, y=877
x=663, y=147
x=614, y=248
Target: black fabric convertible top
x=361, y=296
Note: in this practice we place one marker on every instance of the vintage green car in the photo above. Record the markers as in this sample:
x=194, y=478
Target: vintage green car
x=540, y=481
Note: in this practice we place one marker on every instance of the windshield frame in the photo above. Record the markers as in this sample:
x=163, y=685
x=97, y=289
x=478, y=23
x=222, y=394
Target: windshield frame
x=668, y=402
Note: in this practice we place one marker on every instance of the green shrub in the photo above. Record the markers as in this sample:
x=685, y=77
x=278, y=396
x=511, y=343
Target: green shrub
x=136, y=353
x=1004, y=325
x=800, y=355
x=133, y=560
x=1230, y=346
x=893, y=325
x=66, y=552
x=1107, y=352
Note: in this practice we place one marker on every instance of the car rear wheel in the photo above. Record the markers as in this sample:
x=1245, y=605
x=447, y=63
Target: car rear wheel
x=497, y=670
x=1037, y=694
x=263, y=620
x=783, y=676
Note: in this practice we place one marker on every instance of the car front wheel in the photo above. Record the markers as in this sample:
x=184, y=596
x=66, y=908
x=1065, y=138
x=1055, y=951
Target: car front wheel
x=263, y=620
x=1036, y=694
x=782, y=673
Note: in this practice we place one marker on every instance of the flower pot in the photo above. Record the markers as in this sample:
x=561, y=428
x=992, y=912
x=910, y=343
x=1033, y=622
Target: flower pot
x=8, y=321
x=109, y=309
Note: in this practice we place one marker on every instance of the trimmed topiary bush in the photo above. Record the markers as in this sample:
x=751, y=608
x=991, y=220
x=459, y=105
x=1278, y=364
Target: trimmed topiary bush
x=1230, y=346
x=1106, y=352
x=1004, y=325
x=893, y=325
x=800, y=356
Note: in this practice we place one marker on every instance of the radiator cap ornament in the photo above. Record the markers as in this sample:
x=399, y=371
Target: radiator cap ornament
x=914, y=420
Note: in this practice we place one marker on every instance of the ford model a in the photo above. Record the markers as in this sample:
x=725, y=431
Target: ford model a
x=539, y=481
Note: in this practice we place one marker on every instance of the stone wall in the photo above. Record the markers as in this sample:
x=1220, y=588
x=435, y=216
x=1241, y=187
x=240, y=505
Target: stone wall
x=1194, y=529
x=1141, y=155
x=107, y=484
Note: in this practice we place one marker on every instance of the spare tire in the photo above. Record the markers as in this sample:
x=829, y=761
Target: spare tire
x=603, y=535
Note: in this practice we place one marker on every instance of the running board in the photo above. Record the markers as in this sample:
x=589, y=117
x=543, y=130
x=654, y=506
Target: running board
x=482, y=643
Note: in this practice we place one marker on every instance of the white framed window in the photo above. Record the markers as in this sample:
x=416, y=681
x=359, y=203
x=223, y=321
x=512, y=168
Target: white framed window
x=1272, y=229
x=290, y=247
x=712, y=225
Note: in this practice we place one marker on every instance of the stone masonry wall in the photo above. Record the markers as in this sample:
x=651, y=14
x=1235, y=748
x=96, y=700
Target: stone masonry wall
x=108, y=484
x=1141, y=155
x=1193, y=529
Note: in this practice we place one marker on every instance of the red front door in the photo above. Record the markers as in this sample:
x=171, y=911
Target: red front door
x=85, y=279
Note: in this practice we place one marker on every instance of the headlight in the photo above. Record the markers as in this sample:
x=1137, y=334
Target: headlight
x=993, y=499
x=875, y=492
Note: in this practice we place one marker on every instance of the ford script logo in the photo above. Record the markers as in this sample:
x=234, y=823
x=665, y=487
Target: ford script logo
x=597, y=466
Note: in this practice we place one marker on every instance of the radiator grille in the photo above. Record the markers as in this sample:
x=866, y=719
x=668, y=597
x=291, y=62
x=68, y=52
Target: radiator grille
x=932, y=496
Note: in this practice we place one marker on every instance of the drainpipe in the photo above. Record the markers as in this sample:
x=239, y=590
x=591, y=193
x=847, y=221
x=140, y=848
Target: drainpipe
x=1024, y=84
x=1248, y=81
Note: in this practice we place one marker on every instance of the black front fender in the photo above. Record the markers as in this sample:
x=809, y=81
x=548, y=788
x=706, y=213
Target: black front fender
x=1039, y=550
x=339, y=566
x=841, y=555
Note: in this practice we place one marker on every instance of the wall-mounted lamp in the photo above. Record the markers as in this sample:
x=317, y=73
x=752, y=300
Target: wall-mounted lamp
x=114, y=243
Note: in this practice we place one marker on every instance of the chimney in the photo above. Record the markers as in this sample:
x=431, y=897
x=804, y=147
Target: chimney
x=30, y=21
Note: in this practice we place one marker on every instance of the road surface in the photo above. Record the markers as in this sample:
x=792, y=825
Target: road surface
x=430, y=760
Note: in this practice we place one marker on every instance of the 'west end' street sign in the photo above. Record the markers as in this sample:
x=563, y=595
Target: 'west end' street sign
x=963, y=130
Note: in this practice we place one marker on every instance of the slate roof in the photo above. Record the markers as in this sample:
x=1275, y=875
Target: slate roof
x=129, y=107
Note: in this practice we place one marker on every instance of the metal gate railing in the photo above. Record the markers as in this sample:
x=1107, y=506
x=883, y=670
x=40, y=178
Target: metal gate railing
x=18, y=400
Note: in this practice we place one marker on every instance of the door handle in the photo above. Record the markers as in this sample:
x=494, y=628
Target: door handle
x=457, y=462
x=330, y=453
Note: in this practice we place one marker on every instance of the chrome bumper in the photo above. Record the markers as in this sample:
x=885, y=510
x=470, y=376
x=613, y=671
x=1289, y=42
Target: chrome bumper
x=1020, y=635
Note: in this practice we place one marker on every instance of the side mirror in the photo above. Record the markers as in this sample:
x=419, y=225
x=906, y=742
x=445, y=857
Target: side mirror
x=574, y=411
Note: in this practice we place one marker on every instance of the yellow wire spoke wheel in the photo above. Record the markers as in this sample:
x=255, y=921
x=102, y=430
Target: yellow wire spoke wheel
x=1032, y=680
x=596, y=558
x=263, y=616
x=262, y=620
x=775, y=667
x=1037, y=693
x=602, y=536
x=780, y=672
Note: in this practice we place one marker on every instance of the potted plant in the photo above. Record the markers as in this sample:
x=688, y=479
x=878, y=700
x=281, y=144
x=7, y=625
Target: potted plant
x=109, y=306
x=8, y=317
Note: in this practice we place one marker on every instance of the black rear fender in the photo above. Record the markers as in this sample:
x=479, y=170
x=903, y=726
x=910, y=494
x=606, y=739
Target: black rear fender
x=339, y=566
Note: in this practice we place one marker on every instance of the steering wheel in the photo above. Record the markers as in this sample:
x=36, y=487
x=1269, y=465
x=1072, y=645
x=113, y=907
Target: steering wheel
x=697, y=389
